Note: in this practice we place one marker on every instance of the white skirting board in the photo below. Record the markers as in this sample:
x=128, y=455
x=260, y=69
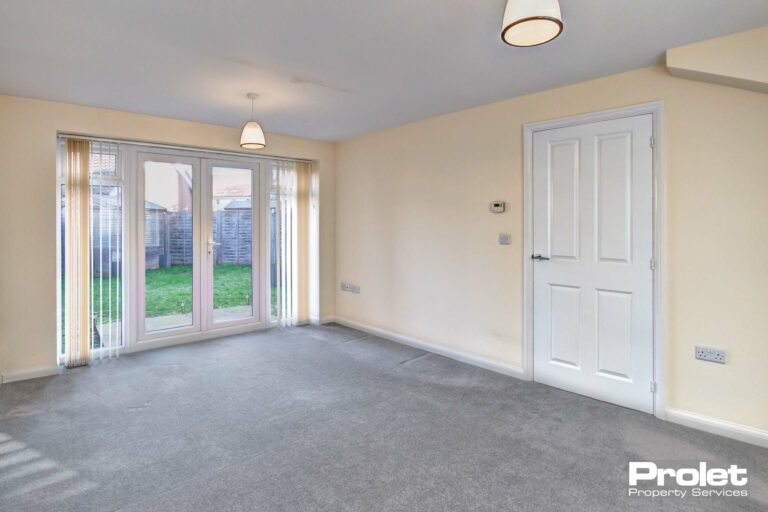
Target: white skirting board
x=458, y=355
x=717, y=426
x=31, y=373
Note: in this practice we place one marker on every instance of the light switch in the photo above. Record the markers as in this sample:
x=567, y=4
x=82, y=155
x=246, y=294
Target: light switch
x=505, y=238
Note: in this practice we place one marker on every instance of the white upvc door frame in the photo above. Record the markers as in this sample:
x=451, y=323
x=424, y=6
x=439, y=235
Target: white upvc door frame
x=135, y=339
x=138, y=234
x=258, y=250
x=656, y=109
x=266, y=240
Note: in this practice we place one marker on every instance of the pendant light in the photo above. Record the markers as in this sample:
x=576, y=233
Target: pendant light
x=531, y=22
x=252, y=136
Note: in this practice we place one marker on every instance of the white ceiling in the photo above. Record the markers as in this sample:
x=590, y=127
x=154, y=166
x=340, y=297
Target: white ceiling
x=329, y=69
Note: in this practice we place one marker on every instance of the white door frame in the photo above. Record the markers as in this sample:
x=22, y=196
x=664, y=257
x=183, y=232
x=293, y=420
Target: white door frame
x=656, y=109
x=258, y=251
x=197, y=217
x=134, y=340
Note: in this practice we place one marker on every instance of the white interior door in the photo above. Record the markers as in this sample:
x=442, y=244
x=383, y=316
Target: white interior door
x=593, y=247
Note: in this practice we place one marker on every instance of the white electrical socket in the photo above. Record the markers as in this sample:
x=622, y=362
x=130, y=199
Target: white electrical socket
x=348, y=287
x=712, y=354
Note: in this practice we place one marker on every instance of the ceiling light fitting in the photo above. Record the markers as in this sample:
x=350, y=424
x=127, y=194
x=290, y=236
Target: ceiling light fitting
x=252, y=136
x=531, y=22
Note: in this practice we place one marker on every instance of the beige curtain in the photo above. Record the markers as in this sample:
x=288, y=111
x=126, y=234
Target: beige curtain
x=76, y=255
x=302, y=242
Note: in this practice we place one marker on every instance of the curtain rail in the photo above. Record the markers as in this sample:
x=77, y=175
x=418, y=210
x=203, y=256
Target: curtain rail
x=182, y=147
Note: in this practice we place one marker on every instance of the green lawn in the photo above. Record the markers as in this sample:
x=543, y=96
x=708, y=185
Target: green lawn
x=232, y=286
x=169, y=290
x=101, y=292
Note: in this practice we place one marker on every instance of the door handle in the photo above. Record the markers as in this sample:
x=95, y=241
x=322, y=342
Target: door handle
x=539, y=257
x=211, y=245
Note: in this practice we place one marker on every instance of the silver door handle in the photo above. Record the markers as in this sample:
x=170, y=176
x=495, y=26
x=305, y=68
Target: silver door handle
x=539, y=257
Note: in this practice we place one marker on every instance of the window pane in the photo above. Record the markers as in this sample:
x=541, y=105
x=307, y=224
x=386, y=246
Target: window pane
x=106, y=223
x=105, y=206
x=103, y=160
x=168, y=241
x=62, y=268
x=231, y=244
x=273, y=277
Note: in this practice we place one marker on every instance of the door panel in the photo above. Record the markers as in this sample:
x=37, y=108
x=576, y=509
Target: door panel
x=169, y=263
x=564, y=231
x=232, y=257
x=593, y=299
x=614, y=196
x=614, y=333
x=564, y=324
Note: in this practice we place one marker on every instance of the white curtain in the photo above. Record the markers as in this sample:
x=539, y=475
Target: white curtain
x=106, y=251
x=93, y=247
x=292, y=241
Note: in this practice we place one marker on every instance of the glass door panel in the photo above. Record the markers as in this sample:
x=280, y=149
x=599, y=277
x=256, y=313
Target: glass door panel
x=169, y=244
x=231, y=243
x=199, y=248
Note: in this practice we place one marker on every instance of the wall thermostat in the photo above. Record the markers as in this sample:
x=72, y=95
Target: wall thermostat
x=497, y=206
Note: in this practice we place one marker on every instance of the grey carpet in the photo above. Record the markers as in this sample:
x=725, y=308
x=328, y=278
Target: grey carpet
x=327, y=418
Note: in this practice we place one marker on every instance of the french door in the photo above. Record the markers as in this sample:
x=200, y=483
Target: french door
x=200, y=244
x=232, y=280
x=184, y=244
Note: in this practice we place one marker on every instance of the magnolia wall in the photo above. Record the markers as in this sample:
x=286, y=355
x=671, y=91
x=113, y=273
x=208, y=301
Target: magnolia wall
x=414, y=231
x=28, y=131
x=737, y=60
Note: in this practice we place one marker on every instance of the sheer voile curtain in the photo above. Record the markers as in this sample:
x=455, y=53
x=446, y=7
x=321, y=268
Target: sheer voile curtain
x=291, y=195
x=92, y=246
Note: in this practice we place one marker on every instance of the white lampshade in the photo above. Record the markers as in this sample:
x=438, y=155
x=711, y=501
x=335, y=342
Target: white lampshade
x=531, y=22
x=252, y=136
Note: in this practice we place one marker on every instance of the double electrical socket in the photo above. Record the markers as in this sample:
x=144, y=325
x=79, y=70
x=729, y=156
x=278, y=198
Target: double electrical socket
x=715, y=355
x=348, y=287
